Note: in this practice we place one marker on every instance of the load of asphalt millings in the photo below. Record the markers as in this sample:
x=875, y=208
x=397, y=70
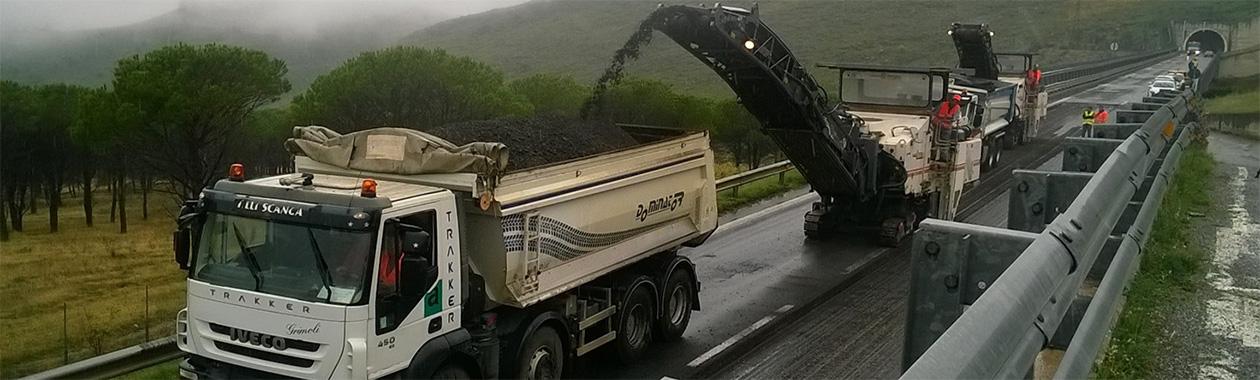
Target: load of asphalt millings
x=614, y=73
x=539, y=141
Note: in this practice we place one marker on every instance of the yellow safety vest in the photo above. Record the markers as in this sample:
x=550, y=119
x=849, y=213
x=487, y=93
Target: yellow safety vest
x=1088, y=117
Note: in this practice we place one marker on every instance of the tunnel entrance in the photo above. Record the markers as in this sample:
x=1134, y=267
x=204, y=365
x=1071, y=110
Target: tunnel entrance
x=1209, y=40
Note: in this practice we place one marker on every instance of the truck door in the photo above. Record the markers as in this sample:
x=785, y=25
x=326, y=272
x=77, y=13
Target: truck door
x=417, y=283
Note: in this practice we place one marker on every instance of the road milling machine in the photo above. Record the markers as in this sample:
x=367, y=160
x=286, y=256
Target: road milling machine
x=875, y=158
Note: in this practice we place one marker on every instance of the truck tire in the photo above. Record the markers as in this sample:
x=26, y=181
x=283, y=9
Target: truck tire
x=542, y=356
x=451, y=371
x=634, y=325
x=986, y=154
x=676, y=309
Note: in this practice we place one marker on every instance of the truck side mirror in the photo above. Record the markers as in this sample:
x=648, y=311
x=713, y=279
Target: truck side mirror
x=182, y=237
x=418, y=271
x=183, y=246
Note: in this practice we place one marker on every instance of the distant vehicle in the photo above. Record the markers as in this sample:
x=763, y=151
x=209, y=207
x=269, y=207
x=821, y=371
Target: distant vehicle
x=1192, y=48
x=1169, y=78
x=1161, y=86
x=1180, y=76
x=1209, y=54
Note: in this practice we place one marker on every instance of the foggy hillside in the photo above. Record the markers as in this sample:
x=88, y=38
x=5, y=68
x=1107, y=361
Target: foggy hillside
x=311, y=37
x=579, y=37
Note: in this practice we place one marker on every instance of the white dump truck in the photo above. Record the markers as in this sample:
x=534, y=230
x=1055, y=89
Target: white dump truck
x=389, y=254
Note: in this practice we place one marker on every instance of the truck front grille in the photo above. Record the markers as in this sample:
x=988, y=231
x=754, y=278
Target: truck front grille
x=264, y=355
x=292, y=344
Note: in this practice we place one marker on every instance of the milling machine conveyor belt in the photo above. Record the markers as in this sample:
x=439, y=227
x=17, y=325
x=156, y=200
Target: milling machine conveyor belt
x=827, y=145
x=975, y=49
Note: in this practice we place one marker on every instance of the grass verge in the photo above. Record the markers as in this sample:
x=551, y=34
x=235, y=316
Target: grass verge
x=1171, y=268
x=87, y=283
x=766, y=187
x=164, y=371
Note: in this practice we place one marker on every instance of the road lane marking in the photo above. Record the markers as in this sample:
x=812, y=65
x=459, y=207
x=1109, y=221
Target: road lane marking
x=735, y=339
x=1058, y=102
x=865, y=260
x=794, y=202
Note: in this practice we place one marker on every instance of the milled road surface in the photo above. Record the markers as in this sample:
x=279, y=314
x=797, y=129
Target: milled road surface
x=857, y=332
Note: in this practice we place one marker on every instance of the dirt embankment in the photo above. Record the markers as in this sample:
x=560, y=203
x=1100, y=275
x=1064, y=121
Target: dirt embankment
x=539, y=141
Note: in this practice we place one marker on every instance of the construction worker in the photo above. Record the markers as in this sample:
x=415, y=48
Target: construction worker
x=1100, y=117
x=1034, y=78
x=944, y=118
x=1087, y=122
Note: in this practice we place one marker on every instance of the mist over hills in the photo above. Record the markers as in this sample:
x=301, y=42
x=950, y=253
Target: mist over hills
x=577, y=38
x=311, y=41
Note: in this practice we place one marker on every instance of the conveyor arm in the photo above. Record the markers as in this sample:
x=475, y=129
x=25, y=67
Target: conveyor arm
x=974, y=43
x=827, y=145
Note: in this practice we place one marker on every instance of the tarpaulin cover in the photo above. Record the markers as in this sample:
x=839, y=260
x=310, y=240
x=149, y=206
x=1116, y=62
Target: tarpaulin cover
x=396, y=151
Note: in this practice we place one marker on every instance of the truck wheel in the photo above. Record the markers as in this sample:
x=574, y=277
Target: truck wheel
x=677, y=306
x=451, y=371
x=892, y=232
x=634, y=325
x=542, y=356
x=997, y=151
x=986, y=154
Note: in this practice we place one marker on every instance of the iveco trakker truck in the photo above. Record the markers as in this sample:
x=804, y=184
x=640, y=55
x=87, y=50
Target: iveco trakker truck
x=393, y=254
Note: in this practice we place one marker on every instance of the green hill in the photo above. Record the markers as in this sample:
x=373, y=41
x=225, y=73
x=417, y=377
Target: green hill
x=579, y=37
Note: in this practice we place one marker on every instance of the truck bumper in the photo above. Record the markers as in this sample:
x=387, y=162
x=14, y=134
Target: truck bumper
x=194, y=367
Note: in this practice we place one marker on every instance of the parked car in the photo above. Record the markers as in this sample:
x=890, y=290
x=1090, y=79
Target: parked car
x=1161, y=86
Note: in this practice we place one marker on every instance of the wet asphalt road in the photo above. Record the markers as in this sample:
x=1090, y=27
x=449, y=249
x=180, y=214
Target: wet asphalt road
x=757, y=269
x=858, y=332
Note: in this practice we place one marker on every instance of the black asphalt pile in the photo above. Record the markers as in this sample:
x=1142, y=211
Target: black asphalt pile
x=539, y=141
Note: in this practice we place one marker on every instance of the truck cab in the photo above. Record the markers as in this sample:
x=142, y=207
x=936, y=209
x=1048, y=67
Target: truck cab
x=317, y=280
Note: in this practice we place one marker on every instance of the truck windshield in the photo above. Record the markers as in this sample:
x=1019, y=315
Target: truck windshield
x=1012, y=64
x=888, y=88
x=309, y=263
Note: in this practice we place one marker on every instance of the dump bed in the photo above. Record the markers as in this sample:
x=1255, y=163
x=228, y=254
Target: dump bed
x=549, y=229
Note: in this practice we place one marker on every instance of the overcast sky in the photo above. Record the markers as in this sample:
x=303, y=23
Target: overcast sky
x=90, y=14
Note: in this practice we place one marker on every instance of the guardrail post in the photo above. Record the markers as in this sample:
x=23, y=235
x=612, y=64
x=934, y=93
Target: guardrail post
x=1118, y=131
x=1082, y=154
x=950, y=267
x=1037, y=197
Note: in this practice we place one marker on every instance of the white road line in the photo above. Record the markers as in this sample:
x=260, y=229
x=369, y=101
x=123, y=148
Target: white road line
x=769, y=210
x=865, y=260
x=735, y=339
x=1058, y=102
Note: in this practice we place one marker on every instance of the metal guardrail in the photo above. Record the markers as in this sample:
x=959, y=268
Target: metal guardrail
x=733, y=182
x=985, y=302
x=116, y=363
x=1064, y=79
x=147, y=354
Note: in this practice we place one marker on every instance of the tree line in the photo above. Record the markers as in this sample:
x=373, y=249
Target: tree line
x=171, y=119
